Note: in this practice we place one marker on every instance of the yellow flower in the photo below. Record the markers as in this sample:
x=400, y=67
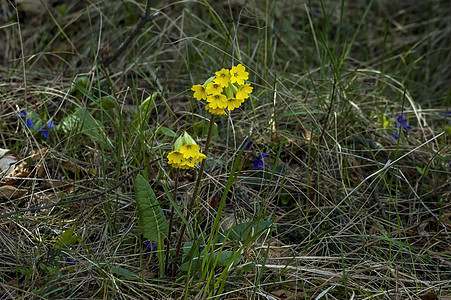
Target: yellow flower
x=233, y=103
x=199, y=92
x=214, y=88
x=244, y=91
x=200, y=157
x=186, y=164
x=175, y=158
x=217, y=101
x=223, y=77
x=215, y=111
x=238, y=74
x=189, y=150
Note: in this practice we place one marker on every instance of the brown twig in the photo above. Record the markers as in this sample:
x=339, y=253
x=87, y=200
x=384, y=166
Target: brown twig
x=144, y=19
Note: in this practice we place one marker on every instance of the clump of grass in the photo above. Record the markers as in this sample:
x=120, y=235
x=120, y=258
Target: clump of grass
x=342, y=205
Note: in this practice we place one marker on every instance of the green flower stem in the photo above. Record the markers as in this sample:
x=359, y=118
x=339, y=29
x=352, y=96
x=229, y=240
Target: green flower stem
x=171, y=217
x=193, y=199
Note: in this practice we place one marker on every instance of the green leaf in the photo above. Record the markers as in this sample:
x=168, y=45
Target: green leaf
x=188, y=139
x=165, y=131
x=82, y=120
x=68, y=124
x=32, y=115
x=245, y=268
x=243, y=231
x=191, y=249
x=80, y=83
x=125, y=274
x=223, y=260
x=385, y=122
x=142, y=116
x=423, y=171
x=229, y=92
x=179, y=142
x=108, y=102
x=201, y=129
x=209, y=80
x=187, y=248
x=151, y=220
x=67, y=238
x=62, y=9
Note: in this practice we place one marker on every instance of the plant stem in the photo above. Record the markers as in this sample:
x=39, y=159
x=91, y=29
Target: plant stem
x=171, y=218
x=193, y=199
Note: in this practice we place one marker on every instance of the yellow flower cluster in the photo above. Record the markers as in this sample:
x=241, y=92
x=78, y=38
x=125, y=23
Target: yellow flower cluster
x=225, y=91
x=186, y=153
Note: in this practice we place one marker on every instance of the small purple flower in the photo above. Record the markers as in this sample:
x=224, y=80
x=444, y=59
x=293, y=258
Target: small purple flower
x=69, y=262
x=446, y=114
x=28, y=122
x=248, y=144
x=395, y=135
x=45, y=130
x=151, y=247
x=259, y=163
x=401, y=124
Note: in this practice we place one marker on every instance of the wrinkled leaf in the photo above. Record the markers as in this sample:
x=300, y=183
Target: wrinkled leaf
x=79, y=84
x=142, y=116
x=108, y=102
x=67, y=238
x=151, y=220
x=165, y=131
x=191, y=249
x=201, y=129
x=82, y=120
x=245, y=267
x=124, y=273
x=188, y=249
x=244, y=231
x=11, y=192
x=224, y=259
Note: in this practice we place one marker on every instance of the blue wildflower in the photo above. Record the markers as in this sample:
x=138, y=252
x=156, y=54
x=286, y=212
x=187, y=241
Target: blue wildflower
x=259, y=163
x=151, y=247
x=45, y=130
x=69, y=262
x=248, y=144
x=446, y=114
x=395, y=135
x=28, y=122
x=401, y=124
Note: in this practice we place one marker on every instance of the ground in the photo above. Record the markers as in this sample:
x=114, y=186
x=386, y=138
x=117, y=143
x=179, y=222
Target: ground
x=333, y=174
